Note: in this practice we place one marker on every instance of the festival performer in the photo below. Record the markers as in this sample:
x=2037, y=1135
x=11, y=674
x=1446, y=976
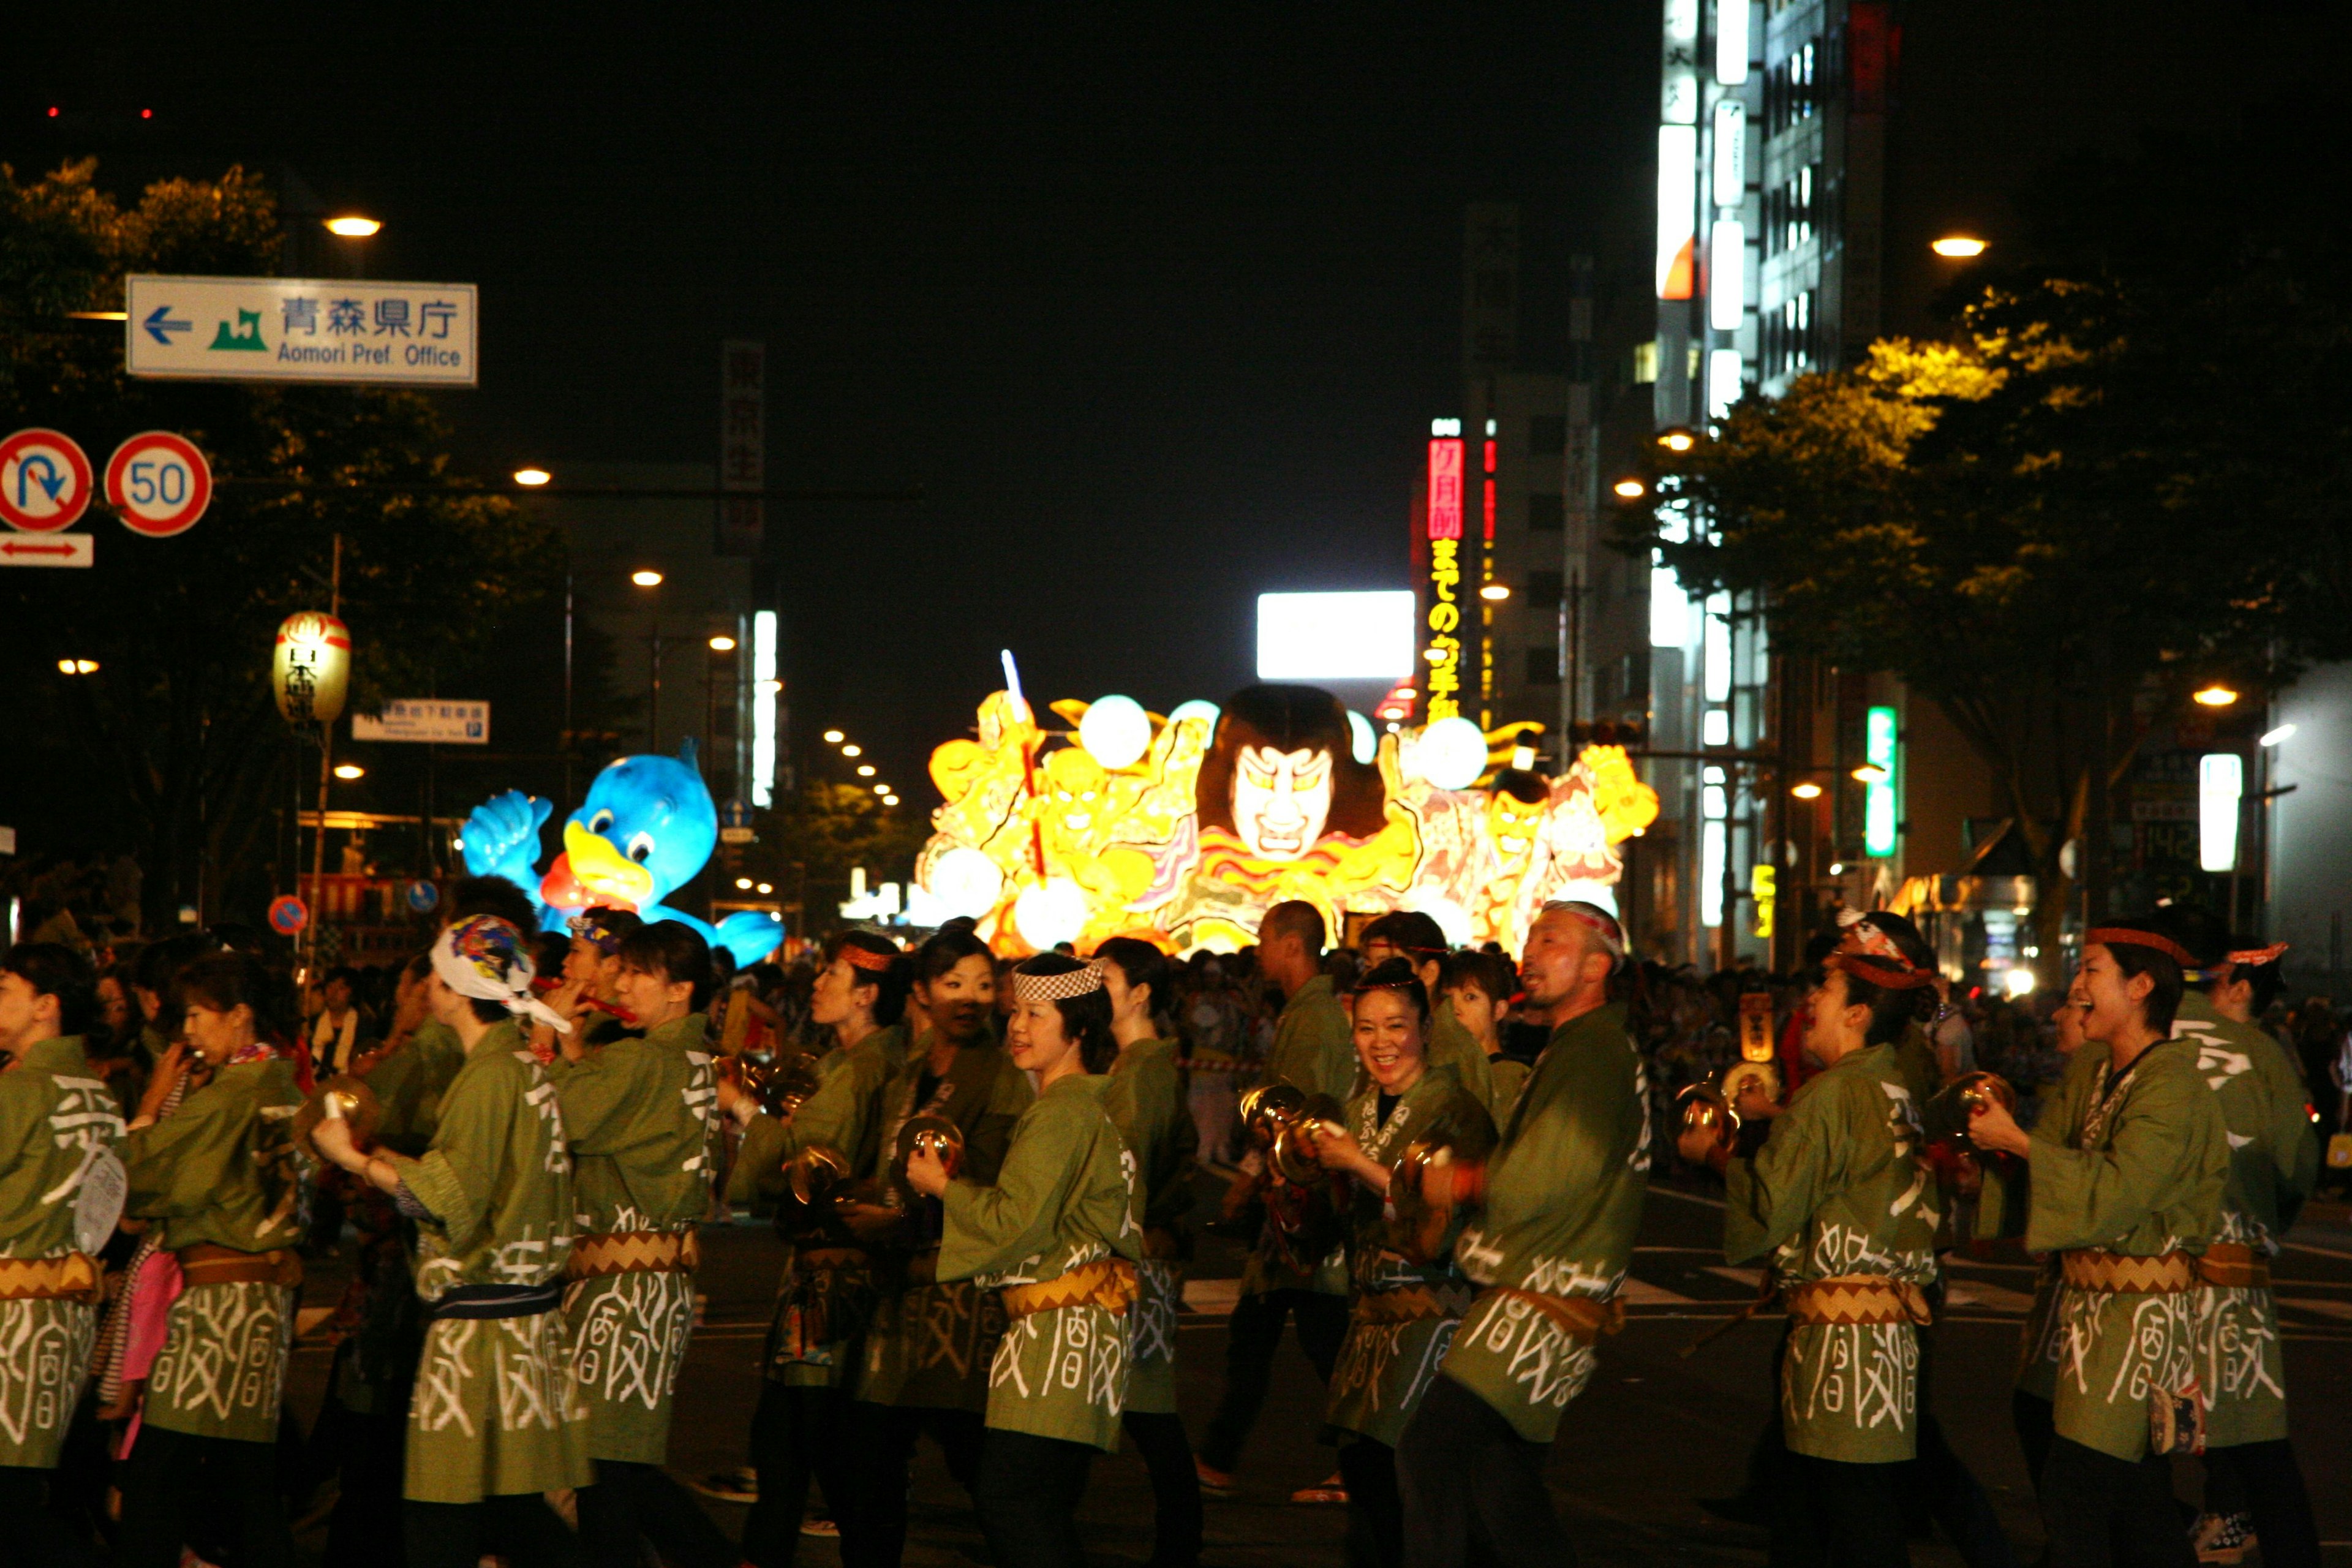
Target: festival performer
x=1408, y=1296
x=422, y=1055
x=589, y=994
x=1478, y=987
x=1558, y=1204
x=2124, y=1182
x=1419, y=940
x=2254, y=1488
x=2037, y=1374
x=1313, y=1052
x=1057, y=1231
x=496, y=1418
x=828, y=1283
x=640, y=1117
x=1148, y=1102
x=1839, y=1201
x=60, y=1192
x=223, y=1179
x=925, y=1363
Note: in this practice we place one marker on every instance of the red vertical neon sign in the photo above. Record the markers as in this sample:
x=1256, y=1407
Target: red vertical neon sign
x=1445, y=488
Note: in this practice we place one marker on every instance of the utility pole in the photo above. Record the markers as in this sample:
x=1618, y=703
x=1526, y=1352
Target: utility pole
x=326, y=777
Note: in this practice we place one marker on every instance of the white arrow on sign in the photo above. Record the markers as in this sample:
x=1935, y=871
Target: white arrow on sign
x=46, y=550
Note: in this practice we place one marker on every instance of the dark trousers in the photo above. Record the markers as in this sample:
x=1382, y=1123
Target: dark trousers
x=2099, y=1510
x=31, y=1536
x=520, y=1527
x=2037, y=1426
x=882, y=1437
x=1846, y=1516
x=1466, y=1475
x=364, y=1530
x=795, y=1434
x=1375, y=1505
x=2263, y=1479
x=1027, y=1494
x=1175, y=1487
x=633, y=1503
x=170, y=1473
x=1251, y=1335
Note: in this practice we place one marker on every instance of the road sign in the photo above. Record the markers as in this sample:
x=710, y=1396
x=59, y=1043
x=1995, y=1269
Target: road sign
x=288, y=915
x=158, y=484
x=300, y=329
x=426, y=719
x=46, y=550
x=424, y=897
x=738, y=836
x=44, y=481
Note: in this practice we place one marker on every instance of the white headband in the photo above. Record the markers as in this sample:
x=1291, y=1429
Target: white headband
x=1054, y=987
x=483, y=958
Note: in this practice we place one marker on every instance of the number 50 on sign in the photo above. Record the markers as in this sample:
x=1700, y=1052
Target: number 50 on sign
x=158, y=484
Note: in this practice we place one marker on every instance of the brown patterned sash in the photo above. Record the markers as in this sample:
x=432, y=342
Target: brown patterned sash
x=2234, y=1266
x=71, y=1278
x=1865, y=1298
x=2115, y=1274
x=1108, y=1283
x=206, y=1264
x=1577, y=1317
x=634, y=1252
x=1411, y=1304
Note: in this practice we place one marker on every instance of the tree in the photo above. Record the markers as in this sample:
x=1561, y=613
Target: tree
x=2081, y=502
x=827, y=829
x=173, y=748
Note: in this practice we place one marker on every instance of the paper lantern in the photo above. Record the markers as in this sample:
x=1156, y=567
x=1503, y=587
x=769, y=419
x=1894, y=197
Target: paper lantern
x=311, y=669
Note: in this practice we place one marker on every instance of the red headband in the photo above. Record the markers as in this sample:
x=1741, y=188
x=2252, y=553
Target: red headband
x=866, y=959
x=2110, y=936
x=2254, y=958
x=1887, y=977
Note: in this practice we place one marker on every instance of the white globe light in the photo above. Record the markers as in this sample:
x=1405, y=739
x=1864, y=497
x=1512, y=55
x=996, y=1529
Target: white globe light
x=1051, y=915
x=1450, y=917
x=1116, y=733
x=1363, y=745
x=1452, y=753
x=1195, y=709
x=965, y=882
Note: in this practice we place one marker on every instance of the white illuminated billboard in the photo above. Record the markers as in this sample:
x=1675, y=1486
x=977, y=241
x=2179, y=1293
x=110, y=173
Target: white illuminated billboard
x=1335, y=637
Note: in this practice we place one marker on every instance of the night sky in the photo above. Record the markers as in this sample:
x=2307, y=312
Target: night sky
x=1155, y=309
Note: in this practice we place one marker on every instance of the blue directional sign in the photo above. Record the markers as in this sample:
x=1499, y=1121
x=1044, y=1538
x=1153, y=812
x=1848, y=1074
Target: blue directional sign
x=159, y=322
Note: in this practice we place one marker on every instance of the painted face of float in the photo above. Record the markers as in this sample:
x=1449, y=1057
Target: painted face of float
x=1100, y=819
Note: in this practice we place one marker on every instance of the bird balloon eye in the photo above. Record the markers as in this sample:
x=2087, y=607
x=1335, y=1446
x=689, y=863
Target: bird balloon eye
x=600, y=822
x=641, y=848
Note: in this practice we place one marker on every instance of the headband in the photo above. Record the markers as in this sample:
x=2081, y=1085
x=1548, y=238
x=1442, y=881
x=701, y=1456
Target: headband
x=2254, y=958
x=1079, y=982
x=866, y=959
x=2111, y=936
x=484, y=958
x=1889, y=973
x=591, y=928
x=1593, y=918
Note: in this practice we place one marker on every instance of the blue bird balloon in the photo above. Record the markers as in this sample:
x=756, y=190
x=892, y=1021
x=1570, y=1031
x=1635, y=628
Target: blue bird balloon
x=645, y=828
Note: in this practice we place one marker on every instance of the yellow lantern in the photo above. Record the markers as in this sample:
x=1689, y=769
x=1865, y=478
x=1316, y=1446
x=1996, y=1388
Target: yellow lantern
x=313, y=668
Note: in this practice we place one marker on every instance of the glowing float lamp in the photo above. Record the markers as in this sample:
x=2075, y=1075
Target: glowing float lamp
x=1880, y=805
x=2220, y=784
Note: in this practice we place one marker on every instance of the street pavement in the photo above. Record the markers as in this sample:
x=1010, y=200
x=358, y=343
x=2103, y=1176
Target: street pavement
x=1657, y=1430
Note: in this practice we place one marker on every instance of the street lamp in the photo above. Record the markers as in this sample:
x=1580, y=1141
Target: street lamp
x=1630, y=490
x=1495, y=593
x=866, y=770
x=351, y=226
x=645, y=577
x=2275, y=737
x=744, y=884
x=532, y=479
x=832, y=737
x=2217, y=696
x=1678, y=439
x=76, y=667
x=852, y=750
x=1958, y=246
x=1871, y=775
x=722, y=644
x=889, y=800
x=349, y=771
x=1807, y=790
x=882, y=790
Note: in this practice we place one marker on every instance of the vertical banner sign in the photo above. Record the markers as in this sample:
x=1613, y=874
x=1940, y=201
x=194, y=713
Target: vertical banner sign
x=1443, y=651
x=742, y=446
x=1880, y=802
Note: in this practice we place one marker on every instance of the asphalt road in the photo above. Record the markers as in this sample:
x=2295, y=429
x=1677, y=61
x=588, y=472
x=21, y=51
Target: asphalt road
x=1655, y=1431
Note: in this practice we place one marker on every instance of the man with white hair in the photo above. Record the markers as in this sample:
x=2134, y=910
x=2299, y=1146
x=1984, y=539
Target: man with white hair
x=1558, y=1204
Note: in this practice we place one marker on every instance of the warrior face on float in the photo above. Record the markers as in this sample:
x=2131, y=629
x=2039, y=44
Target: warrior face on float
x=1280, y=774
x=1514, y=816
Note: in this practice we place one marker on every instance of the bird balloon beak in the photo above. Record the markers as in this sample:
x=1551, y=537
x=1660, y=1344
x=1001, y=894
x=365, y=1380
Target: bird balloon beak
x=602, y=872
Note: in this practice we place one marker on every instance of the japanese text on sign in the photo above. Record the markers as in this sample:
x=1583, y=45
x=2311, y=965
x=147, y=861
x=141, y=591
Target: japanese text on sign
x=297, y=328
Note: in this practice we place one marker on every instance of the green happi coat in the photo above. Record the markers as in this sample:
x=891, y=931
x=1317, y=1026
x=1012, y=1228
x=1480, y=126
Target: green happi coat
x=409, y=1084
x=1452, y=1046
x=1146, y=1101
x=1384, y=1368
x=2137, y=1167
x=639, y=1115
x=223, y=1169
x=496, y=1409
x=2274, y=1165
x=820, y=1312
x=1314, y=1052
x=55, y=1123
x=1838, y=1191
x=1563, y=1199
x=929, y=1346
x=1066, y=1195
x=1508, y=1075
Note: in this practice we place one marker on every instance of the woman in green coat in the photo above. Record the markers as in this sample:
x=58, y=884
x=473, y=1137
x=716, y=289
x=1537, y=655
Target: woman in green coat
x=222, y=1177
x=1409, y=1299
x=497, y=1418
x=2123, y=1181
x=1147, y=1100
x=1059, y=1232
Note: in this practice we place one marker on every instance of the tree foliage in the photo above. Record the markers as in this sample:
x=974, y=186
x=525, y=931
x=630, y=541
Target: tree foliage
x=828, y=828
x=174, y=750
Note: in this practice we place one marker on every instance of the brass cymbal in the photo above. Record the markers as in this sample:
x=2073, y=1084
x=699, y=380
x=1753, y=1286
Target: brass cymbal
x=356, y=1101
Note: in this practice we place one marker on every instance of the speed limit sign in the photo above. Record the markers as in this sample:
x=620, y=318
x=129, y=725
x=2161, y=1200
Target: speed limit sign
x=158, y=484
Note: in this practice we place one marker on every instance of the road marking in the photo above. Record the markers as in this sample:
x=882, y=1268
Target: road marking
x=1641, y=1293
x=1976, y=1293
x=2313, y=1304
